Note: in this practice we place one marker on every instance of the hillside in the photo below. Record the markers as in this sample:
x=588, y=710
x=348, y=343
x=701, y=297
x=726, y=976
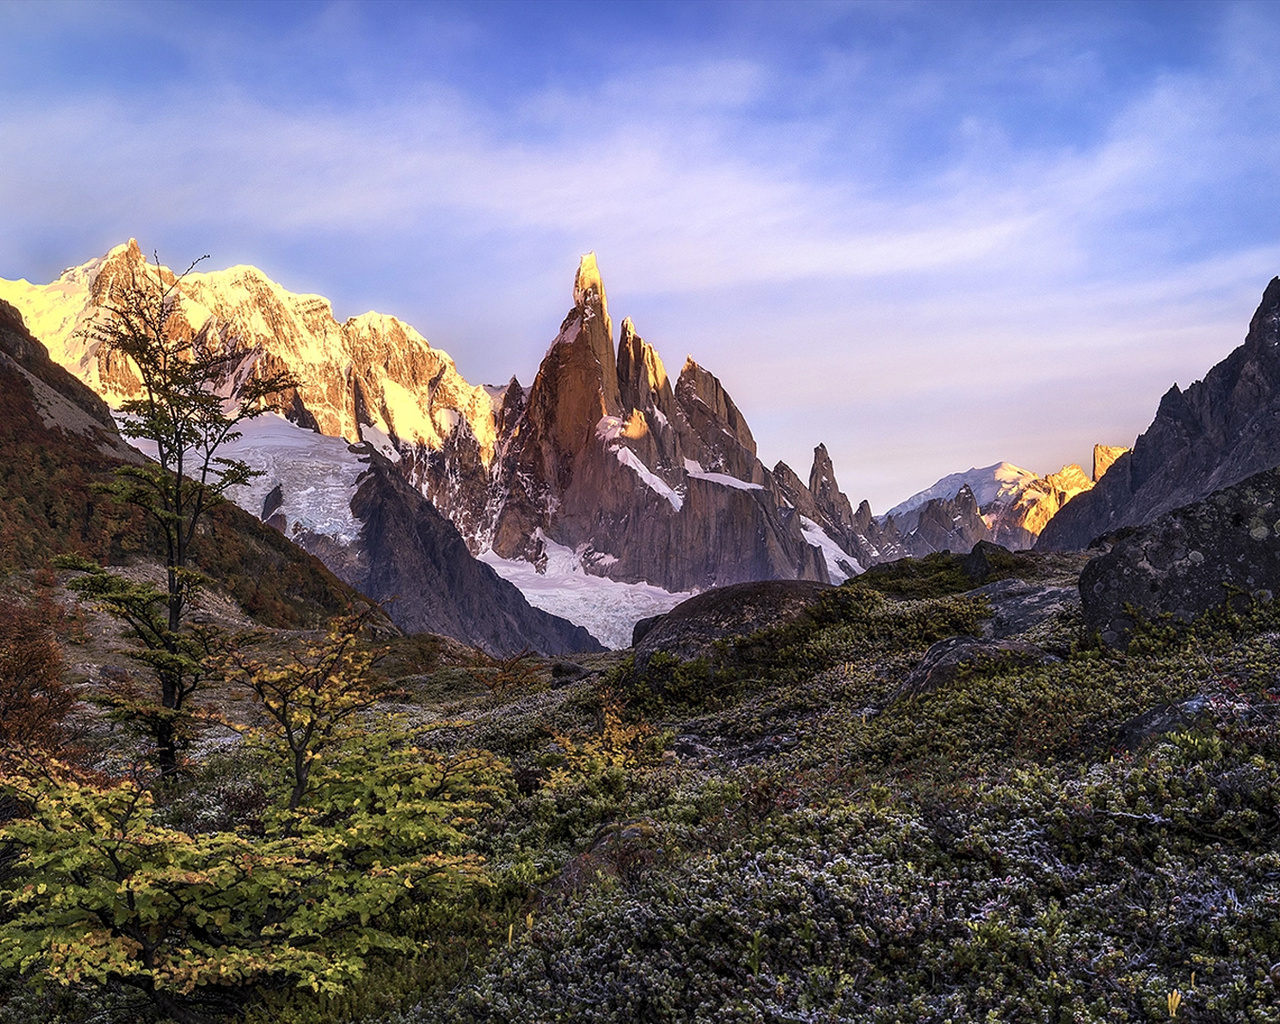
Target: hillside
x=57, y=441
x=822, y=818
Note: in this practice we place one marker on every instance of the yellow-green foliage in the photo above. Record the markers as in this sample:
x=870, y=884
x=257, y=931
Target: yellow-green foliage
x=358, y=824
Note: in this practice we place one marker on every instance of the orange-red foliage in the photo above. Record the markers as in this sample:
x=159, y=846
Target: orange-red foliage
x=34, y=701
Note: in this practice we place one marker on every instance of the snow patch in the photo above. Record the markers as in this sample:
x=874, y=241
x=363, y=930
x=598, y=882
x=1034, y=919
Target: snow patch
x=610, y=428
x=654, y=482
x=567, y=336
x=607, y=609
x=831, y=551
x=724, y=480
x=317, y=475
x=405, y=415
x=380, y=440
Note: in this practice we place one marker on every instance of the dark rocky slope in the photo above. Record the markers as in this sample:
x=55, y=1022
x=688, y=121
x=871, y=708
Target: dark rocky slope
x=1212, y=435
x=414, y=558
x=1189, y=560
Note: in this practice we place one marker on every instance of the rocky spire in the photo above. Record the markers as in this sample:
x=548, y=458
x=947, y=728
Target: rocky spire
x=642, y=379
x=594, y=332
x=826, y=492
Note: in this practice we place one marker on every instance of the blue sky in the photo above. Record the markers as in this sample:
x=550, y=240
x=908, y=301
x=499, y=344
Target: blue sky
x=929, y=235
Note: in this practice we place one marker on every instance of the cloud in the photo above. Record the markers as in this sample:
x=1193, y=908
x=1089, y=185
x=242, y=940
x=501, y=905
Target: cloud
x=889, y=253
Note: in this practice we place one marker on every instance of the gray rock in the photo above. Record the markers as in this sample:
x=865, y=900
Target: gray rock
x=1018, y=606
x=690, y=630
x=947, y=659
x=641, y=628
x=1188, y=561
x=1160, y=721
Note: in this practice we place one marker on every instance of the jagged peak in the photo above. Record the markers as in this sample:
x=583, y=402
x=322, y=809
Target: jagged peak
x=130, y=248
x=637, y=357
x=1070, y=477
x=1104, y=457
x=587, y=281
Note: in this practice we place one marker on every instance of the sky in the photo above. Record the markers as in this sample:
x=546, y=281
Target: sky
x=929, y=235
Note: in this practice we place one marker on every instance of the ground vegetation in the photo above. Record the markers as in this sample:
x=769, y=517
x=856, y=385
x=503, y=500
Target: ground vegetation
x=775, y=832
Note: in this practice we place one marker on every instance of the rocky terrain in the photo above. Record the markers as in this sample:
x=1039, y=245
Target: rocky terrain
x=389, y=541
x=1213, y=434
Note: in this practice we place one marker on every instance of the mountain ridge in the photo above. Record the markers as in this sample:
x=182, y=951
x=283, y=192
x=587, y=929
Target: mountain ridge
x=1219, y=431
x=644, y=478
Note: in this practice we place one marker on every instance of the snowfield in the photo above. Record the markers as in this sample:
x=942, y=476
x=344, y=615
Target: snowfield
x=607, y=609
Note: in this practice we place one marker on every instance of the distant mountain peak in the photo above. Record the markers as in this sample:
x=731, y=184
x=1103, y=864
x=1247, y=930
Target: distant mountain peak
x=587, y=284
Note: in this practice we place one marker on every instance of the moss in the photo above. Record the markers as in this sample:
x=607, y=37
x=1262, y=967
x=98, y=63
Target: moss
x=942, y=572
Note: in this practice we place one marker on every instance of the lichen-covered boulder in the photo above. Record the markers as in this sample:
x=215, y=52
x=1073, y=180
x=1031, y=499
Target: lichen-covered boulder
x=1188, y=561
x=691, y=629
x=948, y=659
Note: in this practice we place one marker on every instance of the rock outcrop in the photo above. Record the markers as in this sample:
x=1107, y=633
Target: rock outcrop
x=1189, y=560
x=947, y=660
x=692, y=628
x=411, y=556
x=1212, y=435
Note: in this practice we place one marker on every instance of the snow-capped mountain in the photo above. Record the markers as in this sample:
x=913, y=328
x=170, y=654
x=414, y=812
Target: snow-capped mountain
x=1003, y=481
x=1014, y=503
x=370, y=378
x=642, y=479
x=603, y=468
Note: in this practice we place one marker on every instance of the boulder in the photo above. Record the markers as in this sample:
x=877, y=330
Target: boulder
x=947, y=659
x=1018, y=606
x=1188, y=561
x=690, y=630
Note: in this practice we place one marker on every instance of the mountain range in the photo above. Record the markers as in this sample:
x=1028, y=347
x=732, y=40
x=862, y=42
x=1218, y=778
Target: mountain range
x=604, y=476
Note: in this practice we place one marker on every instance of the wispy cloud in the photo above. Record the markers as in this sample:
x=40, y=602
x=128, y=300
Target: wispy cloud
x=895, y=259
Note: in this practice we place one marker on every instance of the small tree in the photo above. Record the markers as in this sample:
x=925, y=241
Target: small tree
x=313, y=701
x=193, y=395
x=100, y=892
x=34, y=700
